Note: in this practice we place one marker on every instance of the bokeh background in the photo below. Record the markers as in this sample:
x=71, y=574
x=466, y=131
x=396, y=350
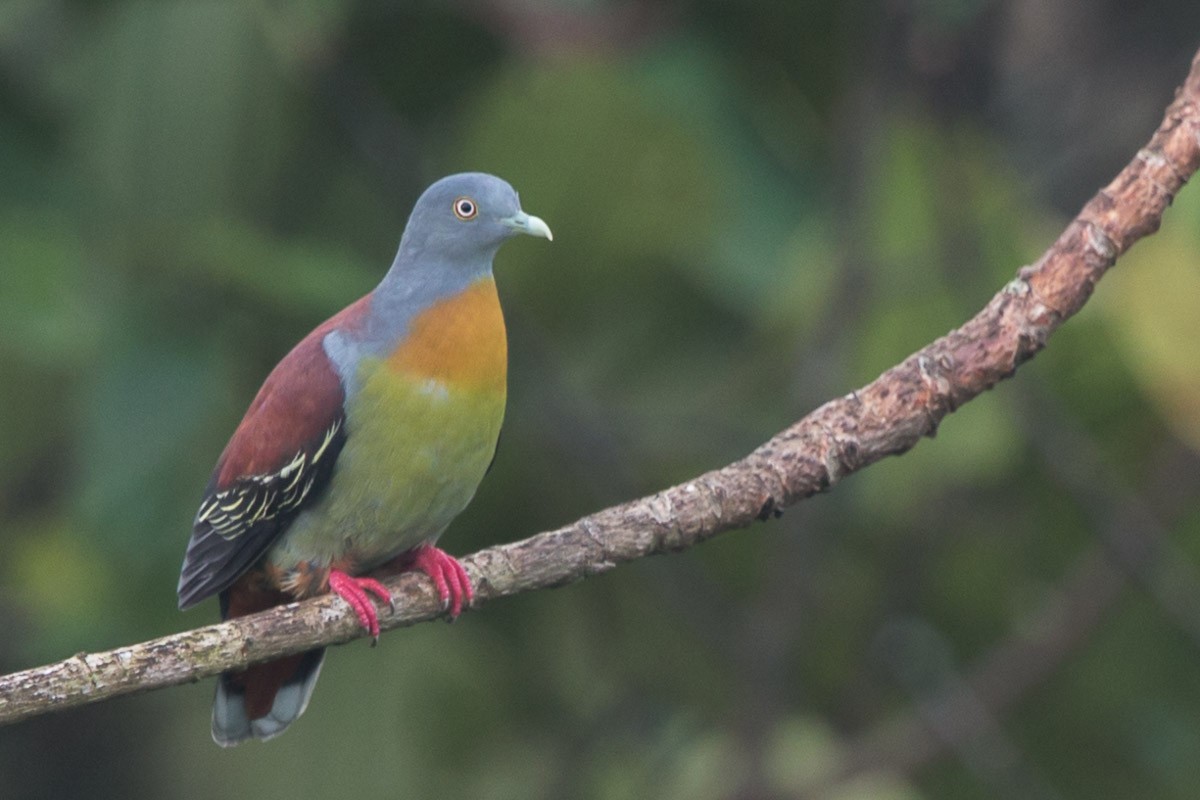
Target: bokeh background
x=757, y=206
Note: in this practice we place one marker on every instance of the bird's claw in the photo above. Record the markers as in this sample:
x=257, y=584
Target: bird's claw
x=448, y=576
x=356, y=592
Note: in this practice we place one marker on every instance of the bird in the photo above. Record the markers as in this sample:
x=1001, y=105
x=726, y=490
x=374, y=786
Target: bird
x=361, y=446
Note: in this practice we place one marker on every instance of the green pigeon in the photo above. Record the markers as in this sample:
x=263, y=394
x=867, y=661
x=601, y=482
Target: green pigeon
x=362, y=445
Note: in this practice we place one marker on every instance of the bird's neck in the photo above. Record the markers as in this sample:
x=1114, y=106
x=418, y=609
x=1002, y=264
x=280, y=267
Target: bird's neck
x=437, y=321
x=415, y=283
x=458, y=341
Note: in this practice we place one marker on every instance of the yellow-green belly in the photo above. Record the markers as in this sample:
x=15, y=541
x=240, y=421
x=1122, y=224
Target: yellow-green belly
x=416, y=450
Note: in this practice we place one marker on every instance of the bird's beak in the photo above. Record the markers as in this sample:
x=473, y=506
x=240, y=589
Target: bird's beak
x=527, y=223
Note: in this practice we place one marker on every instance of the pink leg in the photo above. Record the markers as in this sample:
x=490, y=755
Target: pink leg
x=452, y=582
x=356, y=592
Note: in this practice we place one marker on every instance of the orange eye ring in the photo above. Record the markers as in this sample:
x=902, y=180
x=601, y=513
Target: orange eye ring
x=465, y=208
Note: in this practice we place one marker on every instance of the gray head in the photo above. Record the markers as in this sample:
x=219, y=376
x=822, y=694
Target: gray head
x=463, y=219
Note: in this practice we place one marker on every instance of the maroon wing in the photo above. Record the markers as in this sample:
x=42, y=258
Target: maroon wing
x=278, y=462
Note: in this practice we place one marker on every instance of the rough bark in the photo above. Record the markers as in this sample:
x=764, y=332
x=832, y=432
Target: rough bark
x=886, y=417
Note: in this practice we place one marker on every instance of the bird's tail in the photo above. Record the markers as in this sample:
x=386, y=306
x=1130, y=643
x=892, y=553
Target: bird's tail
x=260, y=702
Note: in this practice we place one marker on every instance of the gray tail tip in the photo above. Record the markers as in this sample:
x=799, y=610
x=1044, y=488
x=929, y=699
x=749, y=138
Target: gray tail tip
x=231, y=725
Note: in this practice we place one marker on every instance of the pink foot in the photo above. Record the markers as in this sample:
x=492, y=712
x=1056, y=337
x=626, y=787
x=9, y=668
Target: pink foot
x=356, y=592
x=453, y=584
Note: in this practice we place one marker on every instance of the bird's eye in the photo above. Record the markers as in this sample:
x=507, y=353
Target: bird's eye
x=465, y=208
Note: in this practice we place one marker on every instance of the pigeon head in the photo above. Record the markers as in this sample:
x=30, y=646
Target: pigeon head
x=464, y=218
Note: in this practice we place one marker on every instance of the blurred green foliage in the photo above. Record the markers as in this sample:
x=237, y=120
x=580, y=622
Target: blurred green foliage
x=758, y=206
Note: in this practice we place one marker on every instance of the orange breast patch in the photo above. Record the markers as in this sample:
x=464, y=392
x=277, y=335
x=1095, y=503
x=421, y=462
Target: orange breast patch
x=459, y=341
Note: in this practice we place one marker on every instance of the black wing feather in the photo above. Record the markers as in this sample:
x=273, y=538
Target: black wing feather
x=237, y=524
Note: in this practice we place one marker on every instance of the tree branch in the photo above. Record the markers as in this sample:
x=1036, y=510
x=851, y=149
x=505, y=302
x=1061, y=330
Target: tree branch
x=886, y=417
